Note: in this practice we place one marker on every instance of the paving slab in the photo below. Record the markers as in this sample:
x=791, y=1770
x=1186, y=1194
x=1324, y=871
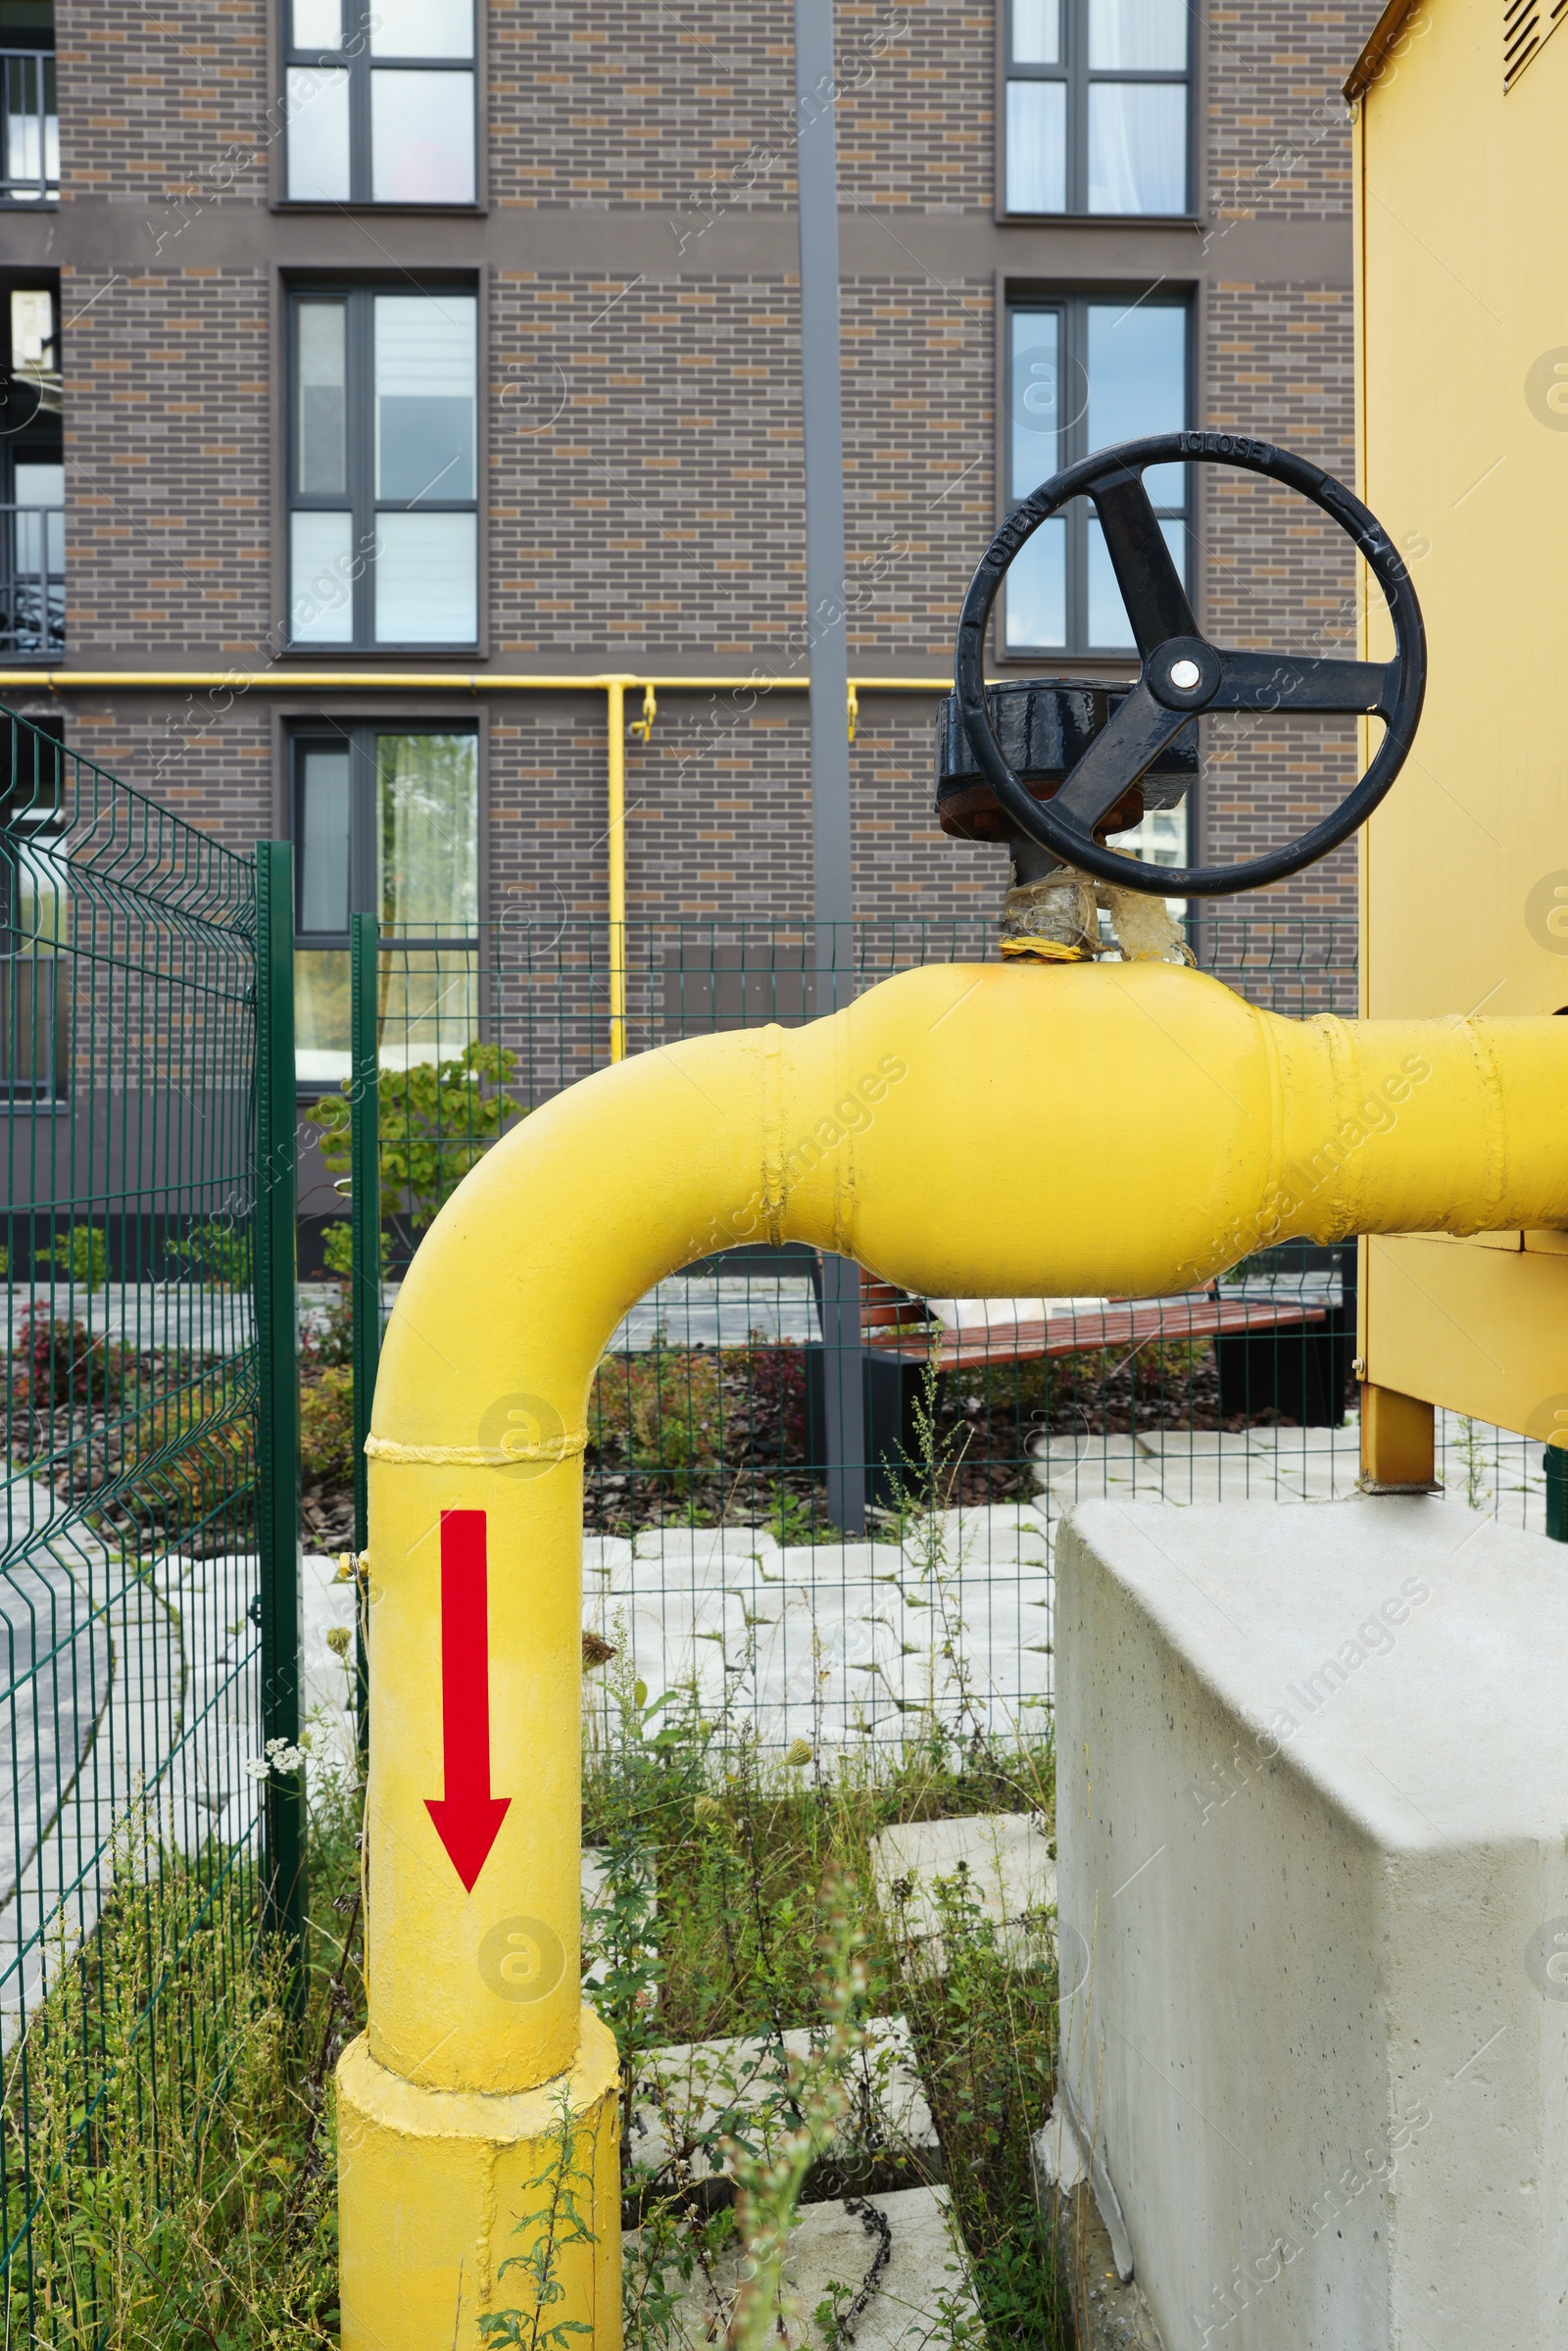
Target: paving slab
x=1010, y=1869
x=736, y=2087
x=890, y=2269
x=131, y=1757
x=328, y=1695
x=831, y=1643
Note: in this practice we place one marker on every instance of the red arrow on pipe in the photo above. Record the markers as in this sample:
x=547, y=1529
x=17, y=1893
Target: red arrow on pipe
x=467, y=1818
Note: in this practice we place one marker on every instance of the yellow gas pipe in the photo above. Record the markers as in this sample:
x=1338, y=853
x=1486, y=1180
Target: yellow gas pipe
x=960, y=1130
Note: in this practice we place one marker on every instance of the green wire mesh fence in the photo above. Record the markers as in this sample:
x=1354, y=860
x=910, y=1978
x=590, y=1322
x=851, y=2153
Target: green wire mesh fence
x=712, y=1565
x=130, y=1587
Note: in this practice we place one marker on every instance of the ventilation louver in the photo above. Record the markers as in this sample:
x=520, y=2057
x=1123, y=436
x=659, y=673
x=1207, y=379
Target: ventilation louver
x=1526, y=25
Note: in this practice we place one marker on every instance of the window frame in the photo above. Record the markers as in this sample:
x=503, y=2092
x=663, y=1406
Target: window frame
x=297, y=729
x=357, y=498
x=1074, y=72
x=1072, y=303
x=357, y=735
x=355, y=58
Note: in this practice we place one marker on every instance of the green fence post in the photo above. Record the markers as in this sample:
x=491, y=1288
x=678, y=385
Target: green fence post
x=365, y=1235
x=278, y=1401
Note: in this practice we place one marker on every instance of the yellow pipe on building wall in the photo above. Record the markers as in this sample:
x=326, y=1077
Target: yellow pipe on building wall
x=235, y=682
x=965, y=1130
x=616, y=739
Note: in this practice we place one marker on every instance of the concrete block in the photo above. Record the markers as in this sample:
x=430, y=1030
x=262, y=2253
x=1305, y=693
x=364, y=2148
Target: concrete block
x=1007, y=1858
x=1313, y=1818
x=891, y=2268
x=697, y=2090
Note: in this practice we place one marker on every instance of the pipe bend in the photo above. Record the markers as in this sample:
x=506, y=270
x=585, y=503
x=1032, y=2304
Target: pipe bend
x=965, y=1130
x=1127, y=1129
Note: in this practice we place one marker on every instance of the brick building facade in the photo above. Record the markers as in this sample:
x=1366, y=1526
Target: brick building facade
x=623, y=238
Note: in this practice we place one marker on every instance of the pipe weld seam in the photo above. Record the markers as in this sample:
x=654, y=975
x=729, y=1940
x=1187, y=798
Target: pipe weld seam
x=479, y=1456
x=774, y=1193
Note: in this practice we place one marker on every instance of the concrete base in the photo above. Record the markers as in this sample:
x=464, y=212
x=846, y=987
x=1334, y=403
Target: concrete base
x=1109, y=2311
x=431, y=2184
x=1313, y=1857
x=889, y=2266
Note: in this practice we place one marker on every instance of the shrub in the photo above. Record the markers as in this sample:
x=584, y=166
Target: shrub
x=435, y=1120
x=62, y=1364
x=187, y=1455
x=327, y=1427
x=337, y=1250
x=661, y=1412
x=220, y=1253
x=1169, y=1365
x=777, y=1380
x=83, y=1254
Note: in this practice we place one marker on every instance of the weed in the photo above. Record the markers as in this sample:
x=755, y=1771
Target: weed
x=769, y=2186
x=1471, y=1448
x=552, y=2226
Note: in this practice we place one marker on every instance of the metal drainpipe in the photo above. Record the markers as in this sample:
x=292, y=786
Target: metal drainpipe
x=234, y=683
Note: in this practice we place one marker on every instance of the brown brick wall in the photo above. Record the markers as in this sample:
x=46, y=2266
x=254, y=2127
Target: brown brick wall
x=644, y=484
x=167, y=458
x=1277, y=135
x=167, y=102
x=692, y=111
x=656, y=513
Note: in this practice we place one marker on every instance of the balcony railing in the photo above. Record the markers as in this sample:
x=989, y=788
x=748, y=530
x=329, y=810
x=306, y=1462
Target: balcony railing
x=29, y=127
x=32, y=579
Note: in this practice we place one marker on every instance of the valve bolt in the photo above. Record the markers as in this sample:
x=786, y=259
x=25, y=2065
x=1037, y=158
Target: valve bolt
x=1184, y=675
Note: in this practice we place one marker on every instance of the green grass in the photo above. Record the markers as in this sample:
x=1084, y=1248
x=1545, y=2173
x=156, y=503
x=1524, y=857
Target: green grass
x=181, y=2191
x=746, y=1853
x=184, y=2149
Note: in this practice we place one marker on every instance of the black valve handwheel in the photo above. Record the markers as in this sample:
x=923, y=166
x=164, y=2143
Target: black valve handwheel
x=1182, y=674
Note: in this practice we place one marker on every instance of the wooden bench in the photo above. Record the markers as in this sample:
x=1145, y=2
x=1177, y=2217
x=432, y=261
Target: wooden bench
x=894, y=1323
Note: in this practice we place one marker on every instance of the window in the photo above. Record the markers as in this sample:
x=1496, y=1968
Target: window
x=1084, y=372
x=34, y=914
x=383, y=523
x=32, y=483
x=379, y=102
x=29, y=115
x=385, y=821
x=1097, y=114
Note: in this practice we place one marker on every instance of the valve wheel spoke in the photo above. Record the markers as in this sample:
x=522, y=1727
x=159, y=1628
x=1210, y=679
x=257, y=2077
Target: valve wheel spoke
x=1121, y=752
x=1145, y=567
x=1289, y=681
